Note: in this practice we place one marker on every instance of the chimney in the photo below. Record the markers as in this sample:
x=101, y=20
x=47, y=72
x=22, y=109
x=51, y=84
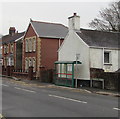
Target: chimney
x=74, y=22
x=12, y=31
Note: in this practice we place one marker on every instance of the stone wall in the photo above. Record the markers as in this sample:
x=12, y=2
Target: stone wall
x=111, y=79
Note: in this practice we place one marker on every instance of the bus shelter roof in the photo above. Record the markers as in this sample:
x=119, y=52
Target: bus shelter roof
x=68, y=62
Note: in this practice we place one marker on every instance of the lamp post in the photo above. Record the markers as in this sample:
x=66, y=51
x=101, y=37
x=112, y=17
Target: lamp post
x=77, y=58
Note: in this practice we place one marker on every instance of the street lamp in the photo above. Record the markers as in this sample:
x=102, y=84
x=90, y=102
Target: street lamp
x=77, y=58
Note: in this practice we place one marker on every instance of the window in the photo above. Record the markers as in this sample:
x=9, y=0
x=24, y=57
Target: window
x=7, y=61
x=7, y=48
x=34, y=44
x=26, y=64
x=30, y=62
x=34, y=64
x=11, y=61
x=107, y=57
x=26, y=45
x=30, y=45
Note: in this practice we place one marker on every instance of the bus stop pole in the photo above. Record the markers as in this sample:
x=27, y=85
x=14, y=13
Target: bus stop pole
x=76, y=75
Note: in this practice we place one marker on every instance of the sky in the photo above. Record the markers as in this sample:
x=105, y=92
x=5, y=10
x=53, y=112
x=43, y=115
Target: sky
x=18, y=13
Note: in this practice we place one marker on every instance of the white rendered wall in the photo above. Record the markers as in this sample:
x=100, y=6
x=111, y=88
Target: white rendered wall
x=97, y=59
x=71, y=46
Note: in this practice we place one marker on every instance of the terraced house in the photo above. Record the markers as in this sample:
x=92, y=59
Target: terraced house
x=40, y=45
x=12, y=49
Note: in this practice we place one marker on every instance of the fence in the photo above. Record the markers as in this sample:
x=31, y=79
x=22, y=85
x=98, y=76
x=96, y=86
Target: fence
x=47, y=75
x=9, y=71
x=111, y=79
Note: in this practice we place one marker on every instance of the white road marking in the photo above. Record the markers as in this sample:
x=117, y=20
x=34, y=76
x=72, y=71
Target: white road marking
x=25, y=90
x=67, y=98
x=5, y=85
x=116, y=109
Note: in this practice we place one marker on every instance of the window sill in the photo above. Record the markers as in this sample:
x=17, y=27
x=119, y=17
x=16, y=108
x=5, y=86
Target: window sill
x=107, y=64
x=30, y=52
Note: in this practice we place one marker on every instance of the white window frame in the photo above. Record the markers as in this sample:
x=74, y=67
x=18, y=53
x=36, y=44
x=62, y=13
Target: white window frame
x=26, y=45
x=110, y=57
x=34, y=44
x=26, y=64
x=30, y=62
x=34, y=64
x=30, y=45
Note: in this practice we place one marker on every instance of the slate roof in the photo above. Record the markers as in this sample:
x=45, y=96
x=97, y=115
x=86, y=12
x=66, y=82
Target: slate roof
x=100, y=38
x=10, y=38
x=50, y=30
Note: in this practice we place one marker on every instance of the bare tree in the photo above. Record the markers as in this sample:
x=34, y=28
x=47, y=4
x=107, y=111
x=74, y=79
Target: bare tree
x=108, y=19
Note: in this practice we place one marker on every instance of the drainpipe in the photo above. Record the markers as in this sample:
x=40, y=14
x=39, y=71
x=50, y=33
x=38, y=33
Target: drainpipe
x=59, y=43
x=103, y=58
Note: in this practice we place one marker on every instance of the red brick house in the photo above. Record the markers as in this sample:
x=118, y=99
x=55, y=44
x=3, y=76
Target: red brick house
x=41, y=43
x=12, y=49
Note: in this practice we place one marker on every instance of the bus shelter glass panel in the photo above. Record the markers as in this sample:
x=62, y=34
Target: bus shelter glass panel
x=64, y=74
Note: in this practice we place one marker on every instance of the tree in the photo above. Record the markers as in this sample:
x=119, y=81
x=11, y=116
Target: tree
x=108, y=19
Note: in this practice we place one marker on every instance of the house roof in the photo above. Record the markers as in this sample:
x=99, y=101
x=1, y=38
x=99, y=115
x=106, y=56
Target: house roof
x=49, y=30
x=99, y=38
x=10, y=38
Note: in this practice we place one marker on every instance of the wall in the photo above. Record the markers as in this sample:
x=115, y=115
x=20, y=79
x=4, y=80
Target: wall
x=97, y=59
x=29, y=33
x=18, y=54
x=72, y=45
x=111, y=79
x=49, y=55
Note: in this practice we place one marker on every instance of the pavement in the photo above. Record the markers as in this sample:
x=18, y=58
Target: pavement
x=37, y=83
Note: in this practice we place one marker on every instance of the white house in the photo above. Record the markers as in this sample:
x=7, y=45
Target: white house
x=96, y=49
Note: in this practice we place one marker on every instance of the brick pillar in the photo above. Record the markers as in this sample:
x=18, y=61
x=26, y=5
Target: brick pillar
x=30, y=73
x=11, y=70
x=8, y=71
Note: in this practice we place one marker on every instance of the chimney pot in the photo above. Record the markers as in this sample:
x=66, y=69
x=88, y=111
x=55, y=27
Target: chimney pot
x=75, y=14
x=74, y=22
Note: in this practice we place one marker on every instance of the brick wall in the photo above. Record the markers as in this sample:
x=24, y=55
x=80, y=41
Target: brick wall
x=49, y=54
x=30, y=33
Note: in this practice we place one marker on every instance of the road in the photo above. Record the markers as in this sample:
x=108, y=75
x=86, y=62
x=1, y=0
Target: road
x=28, y=101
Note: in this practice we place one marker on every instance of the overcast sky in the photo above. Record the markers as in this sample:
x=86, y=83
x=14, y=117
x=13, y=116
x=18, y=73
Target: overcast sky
x=18, y=14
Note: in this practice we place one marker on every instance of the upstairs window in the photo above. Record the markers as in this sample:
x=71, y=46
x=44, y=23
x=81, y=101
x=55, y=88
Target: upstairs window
x=26, y=45
x=107, y=57
x=30, y=45
x=34, y=44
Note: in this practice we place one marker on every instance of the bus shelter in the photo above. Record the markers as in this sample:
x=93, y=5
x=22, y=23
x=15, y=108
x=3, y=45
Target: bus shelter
x=64, y=73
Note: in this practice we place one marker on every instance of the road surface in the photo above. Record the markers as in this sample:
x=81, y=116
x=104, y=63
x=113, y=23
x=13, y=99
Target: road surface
x=27, y=101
